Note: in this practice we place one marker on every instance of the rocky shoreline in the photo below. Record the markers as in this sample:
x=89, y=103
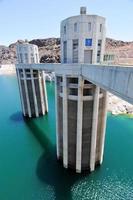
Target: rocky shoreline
x=7, y=69
x=118, y=106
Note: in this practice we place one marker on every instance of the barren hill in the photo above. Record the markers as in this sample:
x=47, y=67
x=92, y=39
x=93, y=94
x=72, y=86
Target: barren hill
x=123, y=51
x=49, y=51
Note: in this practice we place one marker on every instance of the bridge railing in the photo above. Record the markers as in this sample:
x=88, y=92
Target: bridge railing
x=115, y=79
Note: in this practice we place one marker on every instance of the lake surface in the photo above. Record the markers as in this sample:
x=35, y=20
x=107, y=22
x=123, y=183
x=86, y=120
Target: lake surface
x=28, y=166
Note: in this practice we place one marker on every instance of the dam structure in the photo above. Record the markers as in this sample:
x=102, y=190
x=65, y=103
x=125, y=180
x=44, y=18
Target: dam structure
x=81, y=86
x=31, y=82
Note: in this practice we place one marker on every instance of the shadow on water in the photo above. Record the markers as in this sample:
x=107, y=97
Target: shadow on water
x=49, y=170
x=17, y=117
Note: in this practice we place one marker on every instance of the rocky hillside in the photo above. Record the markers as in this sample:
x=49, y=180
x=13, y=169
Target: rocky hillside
x=7, y=55
x=49, y=51
x=123, y=51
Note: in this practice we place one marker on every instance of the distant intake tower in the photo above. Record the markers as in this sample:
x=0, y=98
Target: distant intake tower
x=31, y=81
x=80, y=105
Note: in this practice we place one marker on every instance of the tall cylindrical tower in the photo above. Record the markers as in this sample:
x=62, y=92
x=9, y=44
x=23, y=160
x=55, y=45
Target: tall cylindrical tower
x=81, y=105
x=31, y=82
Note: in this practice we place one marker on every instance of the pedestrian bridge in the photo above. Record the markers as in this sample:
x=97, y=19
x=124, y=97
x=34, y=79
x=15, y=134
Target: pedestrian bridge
x=116, y=79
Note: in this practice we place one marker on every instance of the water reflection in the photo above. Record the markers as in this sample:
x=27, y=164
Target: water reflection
x=17, y=117
x=49, y=170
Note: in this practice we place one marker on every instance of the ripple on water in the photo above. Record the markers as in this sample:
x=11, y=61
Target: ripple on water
x=46, y=192
x=110, y=187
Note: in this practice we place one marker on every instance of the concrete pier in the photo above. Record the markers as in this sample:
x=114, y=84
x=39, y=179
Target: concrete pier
x=94, y=127
x=81, y=123
x=103, y=125
x=65, y=123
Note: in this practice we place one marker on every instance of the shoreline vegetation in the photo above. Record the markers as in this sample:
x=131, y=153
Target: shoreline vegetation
x=116, y=106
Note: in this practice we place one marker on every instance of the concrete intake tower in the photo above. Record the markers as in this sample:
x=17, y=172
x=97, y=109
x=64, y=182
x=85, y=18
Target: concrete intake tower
x=81, y=106
x=31, y=82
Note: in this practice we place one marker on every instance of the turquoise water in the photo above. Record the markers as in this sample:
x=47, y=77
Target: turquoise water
x=28, y=166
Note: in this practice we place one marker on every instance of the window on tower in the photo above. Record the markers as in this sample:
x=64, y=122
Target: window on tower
x=65, y=29
x=65, y=51
x=32, y=58
x=26, y=58
x=21, y=58
x=75, y=50
x=75, y=27
x=98, y=56
x=100, y=27
x=89, y=26
x=99, y=43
